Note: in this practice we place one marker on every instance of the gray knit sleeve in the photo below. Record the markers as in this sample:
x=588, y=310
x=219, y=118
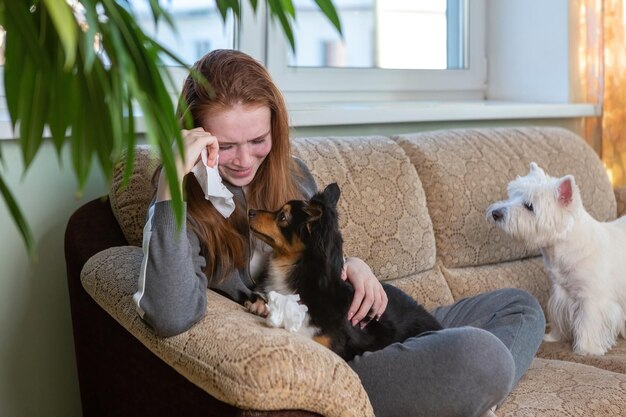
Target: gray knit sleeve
x=172, y=287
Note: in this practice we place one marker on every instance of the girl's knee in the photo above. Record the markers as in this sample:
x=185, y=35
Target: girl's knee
x=487, y=363
x=523, y=298
x=525, y=303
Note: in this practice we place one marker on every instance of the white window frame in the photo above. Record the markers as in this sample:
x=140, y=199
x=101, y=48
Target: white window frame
x=341, y=84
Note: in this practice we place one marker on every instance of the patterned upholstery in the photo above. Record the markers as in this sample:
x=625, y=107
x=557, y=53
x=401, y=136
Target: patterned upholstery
x=413, y=207
x=382, y=209
x=428, y=287
x=130, y=201
x=528, y=274
x=564, y=389
x=614, y=360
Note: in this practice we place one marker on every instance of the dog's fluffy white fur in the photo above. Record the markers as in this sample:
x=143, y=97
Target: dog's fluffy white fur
x=585, y=258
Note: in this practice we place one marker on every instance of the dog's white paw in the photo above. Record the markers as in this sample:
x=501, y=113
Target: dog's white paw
x=552, y=337
x=591, y=352
x=589, y=349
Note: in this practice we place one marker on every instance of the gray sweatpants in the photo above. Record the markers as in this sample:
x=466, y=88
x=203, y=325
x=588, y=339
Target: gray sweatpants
x=487, y=345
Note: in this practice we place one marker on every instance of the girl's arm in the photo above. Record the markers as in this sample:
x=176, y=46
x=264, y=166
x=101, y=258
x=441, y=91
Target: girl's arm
x=172, y=287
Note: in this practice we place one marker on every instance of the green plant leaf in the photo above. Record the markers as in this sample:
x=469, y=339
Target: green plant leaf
x=13, y=74
x=129, y=129
x=142, y=74
x=18, y=217
x=81, y=142
x=32, y=112
x=328, y=8
x=88, y=38
x=224, y=5
x=98, y=97
x=288, y=7
x=254, y=4
x=66, y=27
x=63, y=96
x=277, y=11
x=118, y=113
x=21, y=22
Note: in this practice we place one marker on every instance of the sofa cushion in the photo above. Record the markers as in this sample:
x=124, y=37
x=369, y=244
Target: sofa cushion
x=428, y=287
x=232, y=354
x=130, y=201
x=614, y=360
x=528, y=274
x=382, y=208
x=557, y=388
x=463, y=171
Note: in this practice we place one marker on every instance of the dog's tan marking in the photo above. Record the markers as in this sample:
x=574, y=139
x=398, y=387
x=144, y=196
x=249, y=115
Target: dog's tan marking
x=266, y=225
x=323, y=340
x=280, y=268
x=313, y=211
x=286, y=211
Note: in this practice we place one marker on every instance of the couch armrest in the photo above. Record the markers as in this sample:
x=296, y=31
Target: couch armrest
x=620, y=197
x=231, y=354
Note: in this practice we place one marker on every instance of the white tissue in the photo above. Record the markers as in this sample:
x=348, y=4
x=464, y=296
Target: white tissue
x=285, y=311
x=211, y=182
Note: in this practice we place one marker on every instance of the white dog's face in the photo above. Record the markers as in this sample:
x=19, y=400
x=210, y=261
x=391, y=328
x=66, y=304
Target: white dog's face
x=540, y=209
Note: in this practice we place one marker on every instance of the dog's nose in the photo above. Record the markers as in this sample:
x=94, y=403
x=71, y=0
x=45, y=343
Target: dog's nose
x=251, y=213
x=497, y=215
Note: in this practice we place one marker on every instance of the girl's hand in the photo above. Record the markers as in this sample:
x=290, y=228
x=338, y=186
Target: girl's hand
x=194, y=141
x=370, y=299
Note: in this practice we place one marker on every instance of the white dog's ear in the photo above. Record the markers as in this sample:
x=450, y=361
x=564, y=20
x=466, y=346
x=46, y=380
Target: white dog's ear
x=565, y=190
x=536, y=169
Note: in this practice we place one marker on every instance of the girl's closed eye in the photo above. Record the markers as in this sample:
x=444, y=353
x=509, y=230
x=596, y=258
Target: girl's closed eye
x=259, y=140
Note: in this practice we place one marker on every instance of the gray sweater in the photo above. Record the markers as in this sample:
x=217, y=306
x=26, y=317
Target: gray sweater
x=172, y=287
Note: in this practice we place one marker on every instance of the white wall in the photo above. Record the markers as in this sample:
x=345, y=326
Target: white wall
x=37, y=368
x=528, y=44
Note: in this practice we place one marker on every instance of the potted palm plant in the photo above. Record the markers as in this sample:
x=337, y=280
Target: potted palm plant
x=83, y=68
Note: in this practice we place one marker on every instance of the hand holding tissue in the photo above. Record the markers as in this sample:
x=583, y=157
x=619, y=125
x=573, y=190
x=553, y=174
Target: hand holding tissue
x=211, y=182
x=285, y=311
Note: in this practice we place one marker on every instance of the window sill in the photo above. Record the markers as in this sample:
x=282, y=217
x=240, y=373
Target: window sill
x=334, y=114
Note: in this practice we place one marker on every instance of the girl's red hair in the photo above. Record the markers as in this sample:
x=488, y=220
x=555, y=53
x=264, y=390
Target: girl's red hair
x=236, y=78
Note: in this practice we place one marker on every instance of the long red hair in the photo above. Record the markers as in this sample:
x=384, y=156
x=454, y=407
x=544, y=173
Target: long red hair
x=236, y=78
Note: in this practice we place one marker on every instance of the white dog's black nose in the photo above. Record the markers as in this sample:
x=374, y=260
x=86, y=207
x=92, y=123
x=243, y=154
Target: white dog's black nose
x=497, y=215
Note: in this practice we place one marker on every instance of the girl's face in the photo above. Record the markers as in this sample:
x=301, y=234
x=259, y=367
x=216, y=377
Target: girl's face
x=245, y=139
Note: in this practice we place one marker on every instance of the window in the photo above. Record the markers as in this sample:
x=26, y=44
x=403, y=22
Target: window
x=390, y=34
x=412, y=49
x=390, y=49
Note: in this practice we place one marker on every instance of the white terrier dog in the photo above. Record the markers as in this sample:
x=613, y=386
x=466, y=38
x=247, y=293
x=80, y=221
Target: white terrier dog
x=585, y=259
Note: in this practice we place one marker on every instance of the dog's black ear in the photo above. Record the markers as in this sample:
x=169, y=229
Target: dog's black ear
x=331, y=194
x=313, y=211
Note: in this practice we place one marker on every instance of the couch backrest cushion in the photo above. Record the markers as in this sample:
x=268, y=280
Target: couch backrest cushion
x=382, y=207
x=130, y=202
x=463, y=171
